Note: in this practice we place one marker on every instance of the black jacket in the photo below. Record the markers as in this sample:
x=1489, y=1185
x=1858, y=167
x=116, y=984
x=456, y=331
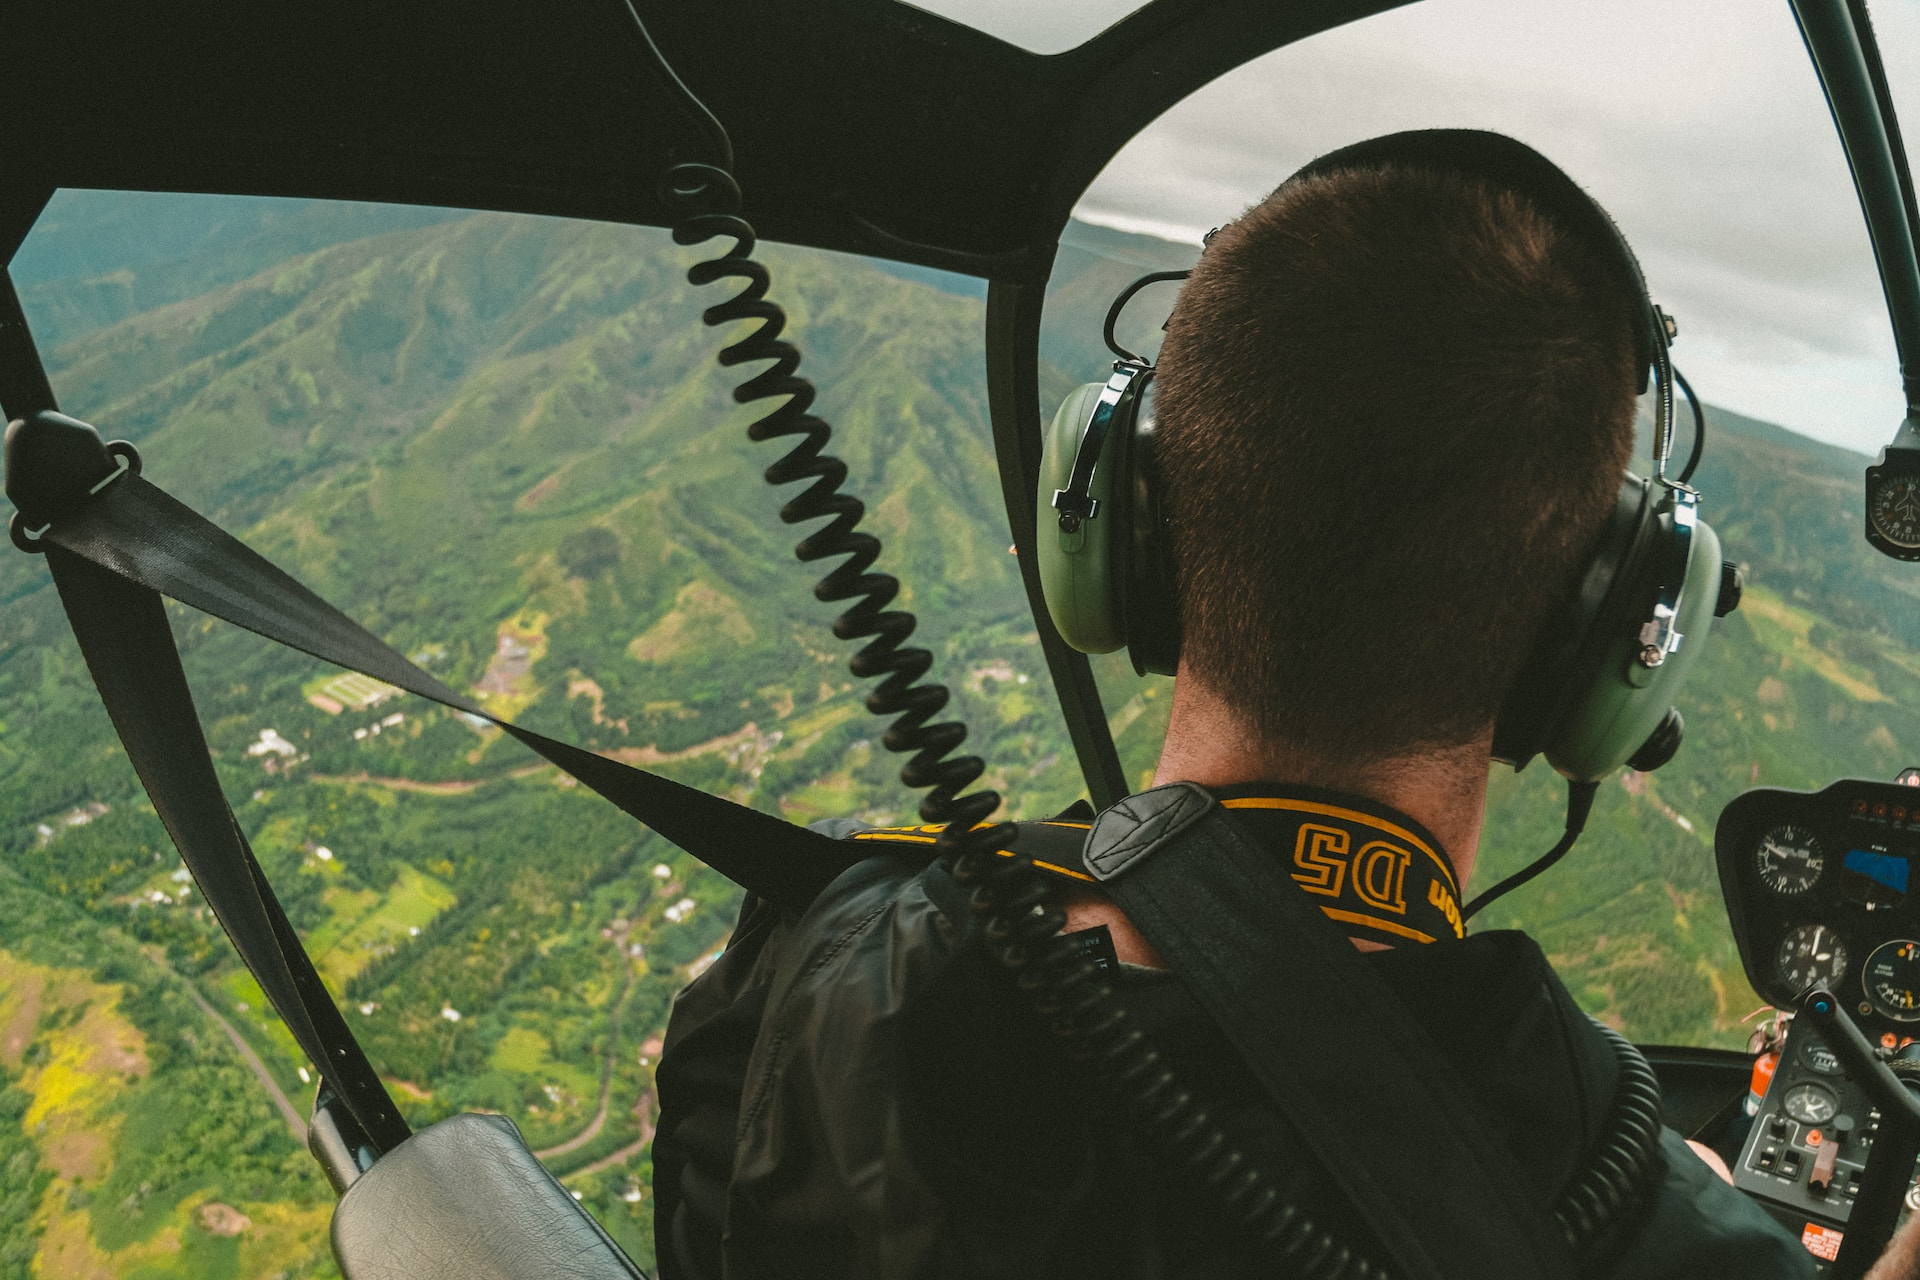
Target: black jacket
x=903, y=1114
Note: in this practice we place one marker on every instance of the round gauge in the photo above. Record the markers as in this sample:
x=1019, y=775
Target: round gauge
x=1892, y=980
x=1894, y=508
x=1811, y=956
x=1790, y=860
x=1810, y=1103
x=1818, y=1057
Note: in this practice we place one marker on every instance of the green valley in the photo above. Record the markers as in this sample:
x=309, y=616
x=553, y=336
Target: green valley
x=501, y=443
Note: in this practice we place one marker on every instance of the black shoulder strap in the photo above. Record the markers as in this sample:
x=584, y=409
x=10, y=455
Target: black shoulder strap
x=1339, y=1055
x=143, y=535
x=115, y=544
x=123, y=634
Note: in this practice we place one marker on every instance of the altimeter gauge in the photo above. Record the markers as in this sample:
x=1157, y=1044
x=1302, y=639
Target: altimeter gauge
x=1811, y=956
x=1892, y=980
x=1790, y=860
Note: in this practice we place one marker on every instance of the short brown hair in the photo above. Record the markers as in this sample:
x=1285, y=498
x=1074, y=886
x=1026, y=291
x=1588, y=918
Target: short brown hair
x=1394, y=408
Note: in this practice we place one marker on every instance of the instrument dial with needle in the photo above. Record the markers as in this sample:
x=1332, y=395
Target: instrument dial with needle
x=1893, y=509
x=1892, y=980
x=1810, y=1104
x=1893, y=499
x=1790, y=860
x=1811, y=956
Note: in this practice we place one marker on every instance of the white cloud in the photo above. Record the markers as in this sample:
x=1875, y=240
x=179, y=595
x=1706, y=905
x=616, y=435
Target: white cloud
x=1699, y=124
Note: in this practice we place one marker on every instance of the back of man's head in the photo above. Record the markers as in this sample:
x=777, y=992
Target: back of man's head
x=1394, y=409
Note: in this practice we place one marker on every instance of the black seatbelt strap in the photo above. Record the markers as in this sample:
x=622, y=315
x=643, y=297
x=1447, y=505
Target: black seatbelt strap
x=1340, y=1057
x=123, y=633
x=115, y=544
x=140, y=533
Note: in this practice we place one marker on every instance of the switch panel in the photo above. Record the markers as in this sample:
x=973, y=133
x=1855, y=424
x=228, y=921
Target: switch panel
x=1809, y=1143
x=1811, y=1138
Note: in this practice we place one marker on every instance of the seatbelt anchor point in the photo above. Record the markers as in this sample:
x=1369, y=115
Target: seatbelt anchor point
x=53, y=465
x=27, y=540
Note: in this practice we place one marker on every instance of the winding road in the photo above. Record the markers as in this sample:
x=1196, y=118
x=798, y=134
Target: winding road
x=644, y=1108
x=288, y=1112
x=280, y=1100
x=586, y=1135
x=297, y=1124
x=599, y=1120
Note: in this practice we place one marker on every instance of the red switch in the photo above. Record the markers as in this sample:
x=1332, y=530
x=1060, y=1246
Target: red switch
x=1822, y=1176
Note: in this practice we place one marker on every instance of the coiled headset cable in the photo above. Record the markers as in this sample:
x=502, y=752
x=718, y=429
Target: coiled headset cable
x=1013, y=902
x=1020, y=923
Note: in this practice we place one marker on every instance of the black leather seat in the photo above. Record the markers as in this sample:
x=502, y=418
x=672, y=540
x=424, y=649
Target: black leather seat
x=466, y=1200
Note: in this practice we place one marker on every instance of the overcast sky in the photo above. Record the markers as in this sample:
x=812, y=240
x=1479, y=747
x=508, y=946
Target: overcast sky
x=1698, y=123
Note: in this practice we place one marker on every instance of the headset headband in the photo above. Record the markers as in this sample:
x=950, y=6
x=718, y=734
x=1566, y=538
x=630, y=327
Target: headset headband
x=1513, y=165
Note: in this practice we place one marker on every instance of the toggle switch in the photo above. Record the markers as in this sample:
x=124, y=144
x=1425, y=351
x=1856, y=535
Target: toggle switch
x=1821, y=1177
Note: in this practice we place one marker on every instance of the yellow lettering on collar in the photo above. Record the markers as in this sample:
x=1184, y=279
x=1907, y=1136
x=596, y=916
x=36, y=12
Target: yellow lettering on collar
x=1437, y=894
x=1380, y=876
x=1321, y=854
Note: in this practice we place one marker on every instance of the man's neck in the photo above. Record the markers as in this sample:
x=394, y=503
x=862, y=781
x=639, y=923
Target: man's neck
x=1443, y=788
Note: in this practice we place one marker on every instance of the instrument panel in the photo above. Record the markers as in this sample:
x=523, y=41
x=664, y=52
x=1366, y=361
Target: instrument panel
x=1817, y=890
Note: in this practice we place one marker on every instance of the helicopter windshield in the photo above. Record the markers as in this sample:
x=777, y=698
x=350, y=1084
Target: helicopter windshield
x=502, y=441
x=1727, y=178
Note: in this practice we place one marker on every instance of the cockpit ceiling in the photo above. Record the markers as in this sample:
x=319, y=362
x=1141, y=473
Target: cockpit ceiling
x=869, y=126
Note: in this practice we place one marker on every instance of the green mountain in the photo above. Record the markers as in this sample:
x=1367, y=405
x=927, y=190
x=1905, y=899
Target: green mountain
x=98, y=257
x=501, y=443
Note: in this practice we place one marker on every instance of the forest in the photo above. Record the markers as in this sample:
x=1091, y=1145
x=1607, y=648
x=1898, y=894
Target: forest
x=501, y=443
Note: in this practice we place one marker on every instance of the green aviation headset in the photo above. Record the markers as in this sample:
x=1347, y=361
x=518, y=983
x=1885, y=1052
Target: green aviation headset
x=1597, y=691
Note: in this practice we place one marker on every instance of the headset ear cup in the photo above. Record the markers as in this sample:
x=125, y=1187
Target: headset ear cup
x=1152, y=602
x=1626, y=703
x=1079, y=571
x=1566, y=654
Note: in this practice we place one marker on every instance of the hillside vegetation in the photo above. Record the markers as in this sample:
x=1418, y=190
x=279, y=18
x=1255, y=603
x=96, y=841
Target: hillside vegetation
x=501, y=443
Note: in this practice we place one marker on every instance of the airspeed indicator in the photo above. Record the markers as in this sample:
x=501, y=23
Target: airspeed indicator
x=1892, y=980
x=1790, y=860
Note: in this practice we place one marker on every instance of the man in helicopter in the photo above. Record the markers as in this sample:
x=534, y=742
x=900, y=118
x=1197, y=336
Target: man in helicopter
x=1394, y=407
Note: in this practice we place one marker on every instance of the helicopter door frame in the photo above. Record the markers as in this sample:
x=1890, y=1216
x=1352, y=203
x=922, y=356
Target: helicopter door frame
x=1014, y=311
x=1846, y=57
